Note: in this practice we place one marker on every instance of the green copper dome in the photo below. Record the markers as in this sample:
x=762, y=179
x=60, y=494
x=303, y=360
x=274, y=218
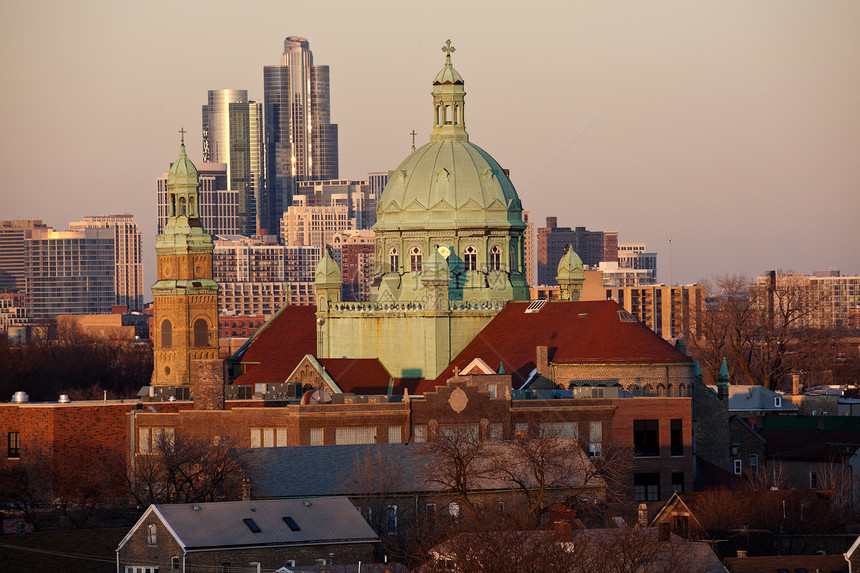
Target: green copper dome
x=570, y=267
x=449, y=182
x=182, y=172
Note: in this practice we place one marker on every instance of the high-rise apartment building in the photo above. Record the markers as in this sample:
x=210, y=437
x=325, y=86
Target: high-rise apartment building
x=354, y=253
x=219, y=206
x=824, y=300
x=257, y=277
x=529, y=246
x=13, y=267
x=70, y=272
x=232, y=134
x=300, y=140
x=591, y=246
x=128, y=271
x=633, y=256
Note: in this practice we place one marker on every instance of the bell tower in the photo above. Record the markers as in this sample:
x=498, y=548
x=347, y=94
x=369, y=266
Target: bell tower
x=186, y=296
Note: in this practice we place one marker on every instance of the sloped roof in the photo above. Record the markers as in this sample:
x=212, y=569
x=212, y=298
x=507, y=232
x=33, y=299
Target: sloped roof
x=220, y=524
x=750, y=398
x=358, y=375
x=592, y=332
x=280, y=344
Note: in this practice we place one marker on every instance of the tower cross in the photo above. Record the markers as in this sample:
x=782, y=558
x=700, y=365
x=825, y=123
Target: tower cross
x=448, y=48
x=182, y=134
x=413, y=134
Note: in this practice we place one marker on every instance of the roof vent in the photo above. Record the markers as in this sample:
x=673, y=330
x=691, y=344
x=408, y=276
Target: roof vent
x=196, y=508
x=535, y=306
x=307, y=504
x=20, y=398
x=64, y=399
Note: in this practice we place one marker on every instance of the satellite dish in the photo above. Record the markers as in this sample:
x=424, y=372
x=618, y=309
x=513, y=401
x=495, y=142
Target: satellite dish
x=318, y=396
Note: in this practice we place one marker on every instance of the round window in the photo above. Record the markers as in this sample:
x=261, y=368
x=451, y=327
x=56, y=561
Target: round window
x=167, y=370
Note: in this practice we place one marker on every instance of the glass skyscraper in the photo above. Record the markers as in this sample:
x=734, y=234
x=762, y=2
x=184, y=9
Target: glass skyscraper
x=232, y=134
x=300, y=140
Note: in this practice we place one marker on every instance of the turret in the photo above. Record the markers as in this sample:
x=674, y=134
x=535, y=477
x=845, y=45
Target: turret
x=327, y=282
x=570, y=276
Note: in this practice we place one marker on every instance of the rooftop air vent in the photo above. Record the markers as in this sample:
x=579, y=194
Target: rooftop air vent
x=535, y=306
x=64, y=399
x=20, y=398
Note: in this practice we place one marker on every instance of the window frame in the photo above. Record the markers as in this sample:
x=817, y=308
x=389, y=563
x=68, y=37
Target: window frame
x=13, y=445
x=470, y=258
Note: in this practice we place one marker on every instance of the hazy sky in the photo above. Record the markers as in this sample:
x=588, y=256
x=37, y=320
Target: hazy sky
x=731, y=126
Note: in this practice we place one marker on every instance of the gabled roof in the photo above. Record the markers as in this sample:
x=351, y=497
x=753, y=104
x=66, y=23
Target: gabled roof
x=359, y=375
x=222, y=525
x=280, y=344
x=592, y=332
x=754, y=398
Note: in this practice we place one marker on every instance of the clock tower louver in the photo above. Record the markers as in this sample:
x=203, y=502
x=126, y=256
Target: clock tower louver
x=186, y=296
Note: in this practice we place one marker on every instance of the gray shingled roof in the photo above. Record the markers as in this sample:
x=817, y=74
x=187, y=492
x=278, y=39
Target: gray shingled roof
x=221, y=525
x=354, y=470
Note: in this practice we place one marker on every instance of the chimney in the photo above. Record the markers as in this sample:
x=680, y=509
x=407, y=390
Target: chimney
x=664, y=531
x=207, y=384
x=246, y=489
x=542, y=361
x=643, y=515
x=563, y=529
x=795, y=383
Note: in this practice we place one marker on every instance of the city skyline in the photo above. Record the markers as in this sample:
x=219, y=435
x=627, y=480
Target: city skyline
x=731, y=128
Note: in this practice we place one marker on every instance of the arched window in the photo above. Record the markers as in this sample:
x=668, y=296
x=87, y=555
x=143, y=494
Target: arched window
x=470, y=258
x=166, y=334
x=201, y=332
x=393, y=260
x=513, y=266
x=152, y=535
x=448, y=115
x=181, y=206
x=495, y=258
x=172, y=205
x=415, y=260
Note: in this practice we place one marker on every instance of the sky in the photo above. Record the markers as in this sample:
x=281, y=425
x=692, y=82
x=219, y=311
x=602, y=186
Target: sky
x=732, y=127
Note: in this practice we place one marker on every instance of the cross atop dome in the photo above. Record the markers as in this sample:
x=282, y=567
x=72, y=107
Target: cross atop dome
x=448, y=49
x=448, y=102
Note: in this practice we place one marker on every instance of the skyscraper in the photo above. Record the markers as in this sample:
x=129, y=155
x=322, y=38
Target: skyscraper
x=13, y=268
x=128, y=275
x=232, y=134
x=70, y=272
x=300, y=140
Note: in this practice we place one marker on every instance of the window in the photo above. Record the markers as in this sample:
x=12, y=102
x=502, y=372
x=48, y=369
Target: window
x=166, y=334
x=391, y=519
x=813, y=479
x=677, y=437
x=512, y=252
x=415, y=260
x=366, y=435
x=393, y=260
x=316, y=436
x=646, y=487
x=393, y=434
x=470, y=258
x=174, y=563
x=152, y=535
x=496, y=258
x=419, y=433
x=753, y=462
x=141, y=569
x=201, y=333
x=454, y=509
x=678, y=482
x=595, y=438
x=225, y=567
x=252, y=525
x=559, y=430
x=777, y=401
x=14, y=447
x=738, y=467
x=646, y=438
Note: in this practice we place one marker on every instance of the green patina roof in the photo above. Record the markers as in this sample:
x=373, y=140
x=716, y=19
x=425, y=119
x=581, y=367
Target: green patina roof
x=449, y=184
x=723, y=376
x=448, y=75
x=570, y=266
x=182, y=172
x=327, y=271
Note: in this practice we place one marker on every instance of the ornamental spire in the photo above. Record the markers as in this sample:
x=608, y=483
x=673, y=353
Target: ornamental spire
x=449, y=102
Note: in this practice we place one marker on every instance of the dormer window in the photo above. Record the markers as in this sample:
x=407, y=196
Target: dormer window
x=777, y=401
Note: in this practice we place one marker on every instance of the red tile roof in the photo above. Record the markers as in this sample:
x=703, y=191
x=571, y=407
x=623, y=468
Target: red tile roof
x=358, y=375
x=592, y=332
x=279, y=346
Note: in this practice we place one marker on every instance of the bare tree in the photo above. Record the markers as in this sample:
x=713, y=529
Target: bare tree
x=763, y=331
x=186, y=468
